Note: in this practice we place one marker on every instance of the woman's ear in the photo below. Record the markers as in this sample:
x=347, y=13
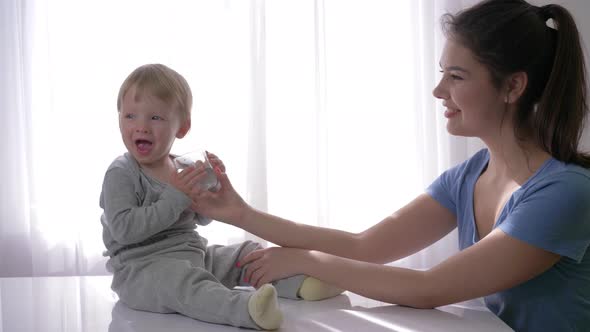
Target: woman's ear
x=184, y=129
x=516, y=85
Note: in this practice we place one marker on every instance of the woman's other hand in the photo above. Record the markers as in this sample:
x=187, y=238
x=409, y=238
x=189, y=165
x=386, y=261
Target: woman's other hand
x=270, y=264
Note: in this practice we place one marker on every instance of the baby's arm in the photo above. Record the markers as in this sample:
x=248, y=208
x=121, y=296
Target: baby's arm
x=185, y=182
x=127, y=219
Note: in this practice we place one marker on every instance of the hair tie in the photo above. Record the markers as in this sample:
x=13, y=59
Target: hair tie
x=544, y=12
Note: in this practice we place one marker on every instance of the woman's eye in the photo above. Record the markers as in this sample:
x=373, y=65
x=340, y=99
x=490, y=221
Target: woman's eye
x=452, y=76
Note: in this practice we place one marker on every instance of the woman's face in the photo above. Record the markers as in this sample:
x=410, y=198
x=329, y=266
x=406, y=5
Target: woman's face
x=474, y=106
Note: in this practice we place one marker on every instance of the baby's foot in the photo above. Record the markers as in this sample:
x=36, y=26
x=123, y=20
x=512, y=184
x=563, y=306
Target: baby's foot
x=313, y=289
x=264, y=308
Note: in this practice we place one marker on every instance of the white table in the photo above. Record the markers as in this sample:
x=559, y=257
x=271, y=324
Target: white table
x=51, y=304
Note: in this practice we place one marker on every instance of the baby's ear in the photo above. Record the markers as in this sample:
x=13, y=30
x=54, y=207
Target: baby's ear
x=184, y=129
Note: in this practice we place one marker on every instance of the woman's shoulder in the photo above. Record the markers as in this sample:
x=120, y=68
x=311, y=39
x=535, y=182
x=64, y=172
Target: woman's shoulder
x=556, y=170
x=574, y=170
x=562, y=178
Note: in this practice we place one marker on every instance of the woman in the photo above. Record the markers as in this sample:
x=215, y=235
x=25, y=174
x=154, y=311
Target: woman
x=521, y=206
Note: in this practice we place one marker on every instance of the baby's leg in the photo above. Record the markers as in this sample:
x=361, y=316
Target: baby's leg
x=221, y=262
x=173, y=285
x=307, y=288
x=264, y=308
x=313, y=289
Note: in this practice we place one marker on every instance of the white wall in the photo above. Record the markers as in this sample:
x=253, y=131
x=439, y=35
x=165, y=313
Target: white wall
x=580, y=9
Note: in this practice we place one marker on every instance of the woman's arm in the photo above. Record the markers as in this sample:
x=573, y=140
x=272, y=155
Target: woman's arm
x=495, y=263
x=412, y=228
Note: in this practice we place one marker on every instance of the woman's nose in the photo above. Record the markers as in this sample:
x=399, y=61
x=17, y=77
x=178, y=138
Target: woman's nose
x=439, y=91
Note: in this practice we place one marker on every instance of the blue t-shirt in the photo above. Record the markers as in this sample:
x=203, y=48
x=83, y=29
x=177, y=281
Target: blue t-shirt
x=551, y=210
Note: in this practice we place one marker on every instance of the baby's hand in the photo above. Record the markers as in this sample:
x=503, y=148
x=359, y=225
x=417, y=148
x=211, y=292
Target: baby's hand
x=186, y=179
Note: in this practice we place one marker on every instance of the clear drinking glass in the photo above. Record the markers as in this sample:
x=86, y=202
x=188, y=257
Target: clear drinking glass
x=207, y=182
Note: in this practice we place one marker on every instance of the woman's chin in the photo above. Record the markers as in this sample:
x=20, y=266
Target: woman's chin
x=456, y=130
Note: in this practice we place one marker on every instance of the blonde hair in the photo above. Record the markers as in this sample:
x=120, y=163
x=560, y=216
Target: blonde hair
x=162, y=82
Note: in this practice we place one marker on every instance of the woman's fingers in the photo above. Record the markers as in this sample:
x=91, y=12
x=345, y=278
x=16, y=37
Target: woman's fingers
x=216, y=162
x=251, y=257
x=224, y=181
x=212, y=156
x=265, y=265
x=254, y=275
x=254, y=266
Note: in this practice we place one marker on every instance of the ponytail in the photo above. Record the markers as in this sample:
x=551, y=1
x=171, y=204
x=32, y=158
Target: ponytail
x=561, y=111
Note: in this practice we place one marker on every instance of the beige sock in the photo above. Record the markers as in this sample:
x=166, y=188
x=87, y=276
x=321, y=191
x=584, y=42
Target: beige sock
x=313, y=289
x=263, y=307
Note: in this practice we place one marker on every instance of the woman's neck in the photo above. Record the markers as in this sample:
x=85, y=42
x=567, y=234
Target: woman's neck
x=513, y=160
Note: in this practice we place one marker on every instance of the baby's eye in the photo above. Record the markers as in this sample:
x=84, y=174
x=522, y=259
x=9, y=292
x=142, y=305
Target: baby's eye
x=157, y=117
x=456, y=77
x=129, y=116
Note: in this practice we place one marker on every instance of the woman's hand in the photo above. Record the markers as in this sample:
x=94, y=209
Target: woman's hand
x=270, y=264
x=216, y=163
x=225, y=205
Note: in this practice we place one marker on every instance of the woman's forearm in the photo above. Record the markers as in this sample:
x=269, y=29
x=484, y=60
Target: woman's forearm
x=379, y=282
x=287, y=233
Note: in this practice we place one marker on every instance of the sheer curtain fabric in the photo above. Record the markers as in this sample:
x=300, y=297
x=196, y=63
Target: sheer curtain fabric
x=321, y=110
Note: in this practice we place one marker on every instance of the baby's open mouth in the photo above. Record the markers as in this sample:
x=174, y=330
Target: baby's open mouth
x=143, y=146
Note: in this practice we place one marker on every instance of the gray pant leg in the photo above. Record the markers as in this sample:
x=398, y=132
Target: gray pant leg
x=289, y=287
x=221, y=262
x=166, y=285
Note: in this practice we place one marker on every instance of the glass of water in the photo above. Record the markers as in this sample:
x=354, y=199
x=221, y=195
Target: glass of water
x=209, y=181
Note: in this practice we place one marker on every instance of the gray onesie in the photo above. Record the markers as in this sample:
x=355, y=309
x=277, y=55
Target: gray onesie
x=159, y=261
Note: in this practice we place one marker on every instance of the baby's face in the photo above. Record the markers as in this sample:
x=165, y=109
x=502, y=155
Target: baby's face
x=148, y=127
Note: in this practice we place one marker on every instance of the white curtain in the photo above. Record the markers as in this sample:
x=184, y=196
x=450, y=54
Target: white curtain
x=321, y=110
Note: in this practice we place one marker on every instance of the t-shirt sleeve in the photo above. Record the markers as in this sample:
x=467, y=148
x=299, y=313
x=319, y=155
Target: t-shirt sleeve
x=443, y=190
x=446, y=189
x=554, y=215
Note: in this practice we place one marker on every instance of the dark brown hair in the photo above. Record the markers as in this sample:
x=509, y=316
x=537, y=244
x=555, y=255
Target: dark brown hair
x=509, y=36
